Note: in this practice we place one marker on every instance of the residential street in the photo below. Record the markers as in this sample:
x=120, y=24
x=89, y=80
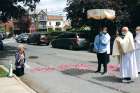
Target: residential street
x=65, y=71
x=69, y=46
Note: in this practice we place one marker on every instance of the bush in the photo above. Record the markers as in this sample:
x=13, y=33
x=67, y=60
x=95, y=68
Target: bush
x=50, y=30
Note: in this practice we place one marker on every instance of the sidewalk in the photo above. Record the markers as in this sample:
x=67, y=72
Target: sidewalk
x=13, y=85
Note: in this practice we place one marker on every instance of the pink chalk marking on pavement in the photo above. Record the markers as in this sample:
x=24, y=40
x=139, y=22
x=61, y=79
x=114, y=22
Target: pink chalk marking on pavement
x=111, y=68
x=42, y=69
x=62, y=67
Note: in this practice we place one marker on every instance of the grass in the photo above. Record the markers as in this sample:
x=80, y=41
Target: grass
x=3, y=73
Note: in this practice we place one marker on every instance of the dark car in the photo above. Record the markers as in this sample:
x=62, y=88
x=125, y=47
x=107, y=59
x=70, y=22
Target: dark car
x=1, y=42
x=3, y=34
x=1, y=45
x=44, y=39
x=22, y=38
x=69, y=41
x=38, y=38
x=53, y=35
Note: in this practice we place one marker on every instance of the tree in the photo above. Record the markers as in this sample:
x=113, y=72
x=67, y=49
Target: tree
x=15, y=8
x=127, y=12
x=135, y=12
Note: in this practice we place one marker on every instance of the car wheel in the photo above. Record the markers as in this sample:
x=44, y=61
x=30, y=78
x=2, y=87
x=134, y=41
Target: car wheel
x=47, y=44
x=18, y=41
x=38, y=43
x=53, y=46
x=28, y=41
x=70, y=47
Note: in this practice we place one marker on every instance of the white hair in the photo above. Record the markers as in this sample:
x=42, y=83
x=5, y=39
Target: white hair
x=21, y=47
x=125, y=28
x=138, y=28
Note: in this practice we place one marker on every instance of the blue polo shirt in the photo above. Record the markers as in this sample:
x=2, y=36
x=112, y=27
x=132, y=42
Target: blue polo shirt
x=101, y=42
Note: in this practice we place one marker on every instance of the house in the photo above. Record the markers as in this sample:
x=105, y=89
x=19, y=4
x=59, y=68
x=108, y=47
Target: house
x=55, y=22
x=42, y=20
x=7, y=27
x=21, y=24
x=39, y=19
x=66, y=25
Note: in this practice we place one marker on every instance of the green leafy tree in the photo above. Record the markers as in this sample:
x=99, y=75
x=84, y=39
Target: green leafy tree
x=15, y=8
x=135, y=12
x=127, y=12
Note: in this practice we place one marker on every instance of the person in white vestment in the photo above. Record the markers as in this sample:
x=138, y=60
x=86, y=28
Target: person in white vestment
x=137, y=47
x=124, y=48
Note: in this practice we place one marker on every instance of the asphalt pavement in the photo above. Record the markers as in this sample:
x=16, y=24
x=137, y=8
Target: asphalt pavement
x=65, y=71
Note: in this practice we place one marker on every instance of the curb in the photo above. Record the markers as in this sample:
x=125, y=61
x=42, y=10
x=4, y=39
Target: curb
x=24, y=85
x=19, y=81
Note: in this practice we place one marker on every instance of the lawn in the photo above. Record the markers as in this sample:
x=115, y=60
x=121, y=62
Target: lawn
x=3, y=73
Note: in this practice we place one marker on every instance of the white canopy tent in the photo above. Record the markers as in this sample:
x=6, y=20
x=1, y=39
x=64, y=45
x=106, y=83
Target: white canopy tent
x=100, y=14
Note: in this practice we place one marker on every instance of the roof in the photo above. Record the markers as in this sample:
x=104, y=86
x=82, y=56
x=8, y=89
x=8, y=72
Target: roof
x=55, y=17
x=42, y=12
x=37, y=11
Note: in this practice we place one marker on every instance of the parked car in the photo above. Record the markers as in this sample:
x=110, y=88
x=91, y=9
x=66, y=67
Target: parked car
x=22, y=38
x=3, y=34
x=53, y=35
x=44, y=39
x=1, y=42
x=38, y=38
x=1, y=45
x=69, y=41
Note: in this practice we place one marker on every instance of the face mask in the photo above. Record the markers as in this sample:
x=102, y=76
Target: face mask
x=101, y=33
x=104, y=31
x=123, y=33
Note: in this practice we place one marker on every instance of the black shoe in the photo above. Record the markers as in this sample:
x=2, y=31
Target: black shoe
x=128, y=78
x=97, y=71
x=103, y=73
x=138, y=72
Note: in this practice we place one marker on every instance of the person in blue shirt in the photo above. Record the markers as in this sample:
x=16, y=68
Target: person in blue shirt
x=102, y=48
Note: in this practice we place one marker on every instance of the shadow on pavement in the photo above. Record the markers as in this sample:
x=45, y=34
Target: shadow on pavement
x=76, y=72
x=93, y=62
x=108, y=79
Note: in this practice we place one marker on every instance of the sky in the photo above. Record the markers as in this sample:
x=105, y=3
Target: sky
x=52, y=6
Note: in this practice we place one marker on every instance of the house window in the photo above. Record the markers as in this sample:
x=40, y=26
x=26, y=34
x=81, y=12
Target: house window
x=58, y=23
x=42, y=17
x=50, y=23
x=42, y=25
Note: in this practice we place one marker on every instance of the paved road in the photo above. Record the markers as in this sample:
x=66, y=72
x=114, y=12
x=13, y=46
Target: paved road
x=64, y=71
